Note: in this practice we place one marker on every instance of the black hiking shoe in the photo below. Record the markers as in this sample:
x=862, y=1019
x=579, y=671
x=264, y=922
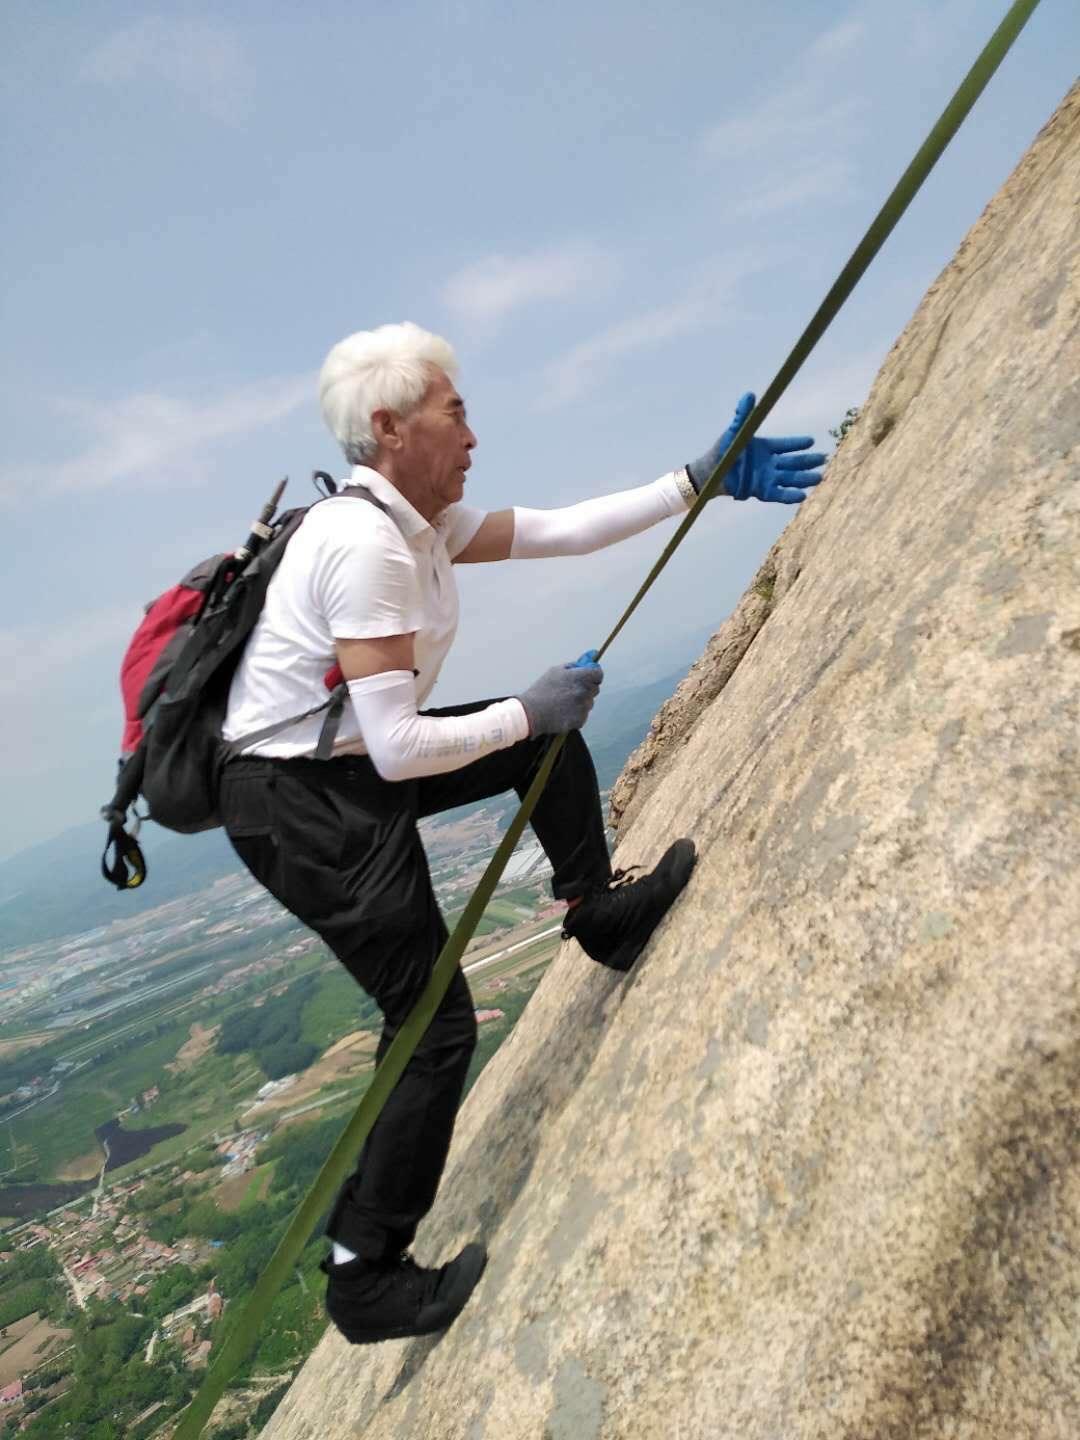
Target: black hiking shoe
x=370, y=1301
x=612, y=924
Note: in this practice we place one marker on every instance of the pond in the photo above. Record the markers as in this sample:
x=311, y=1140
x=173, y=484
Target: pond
x=22, y=1202
x=127, y=1145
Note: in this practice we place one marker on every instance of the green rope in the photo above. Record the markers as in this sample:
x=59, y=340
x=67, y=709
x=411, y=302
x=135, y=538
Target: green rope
x=243, y=1334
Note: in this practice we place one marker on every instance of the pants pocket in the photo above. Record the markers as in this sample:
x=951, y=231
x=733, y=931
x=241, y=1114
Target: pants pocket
x=246, y=809
x=245, y=805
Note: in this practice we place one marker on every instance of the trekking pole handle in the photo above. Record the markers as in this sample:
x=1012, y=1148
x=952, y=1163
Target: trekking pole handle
x=260, y=528
x=590, y=657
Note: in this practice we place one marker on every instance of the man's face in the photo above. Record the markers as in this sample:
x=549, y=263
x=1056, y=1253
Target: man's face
x=437, y=442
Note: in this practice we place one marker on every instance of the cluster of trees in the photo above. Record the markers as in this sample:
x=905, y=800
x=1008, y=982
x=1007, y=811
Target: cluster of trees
x=151, y=1197
x=272, y=1032
x=511, y=1003
x=24, y=1299
x=299, y=1152
x=36, y=1264
x=111, y=1382
x=195, y=1215
x=203, y=1157
x=172, y=1288
x=31, y=1281
x=19, y=1069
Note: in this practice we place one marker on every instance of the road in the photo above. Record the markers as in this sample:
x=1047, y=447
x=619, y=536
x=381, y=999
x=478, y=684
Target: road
x=101, y=1181
x=76, y=1288
x=510, y=950
x=36, y=1101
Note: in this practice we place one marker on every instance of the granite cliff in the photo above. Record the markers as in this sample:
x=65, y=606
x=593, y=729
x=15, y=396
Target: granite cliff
x=813, y=1168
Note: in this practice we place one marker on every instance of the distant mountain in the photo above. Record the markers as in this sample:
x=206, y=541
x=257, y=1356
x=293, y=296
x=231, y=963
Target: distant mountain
x=55, y=888
x=620, y=722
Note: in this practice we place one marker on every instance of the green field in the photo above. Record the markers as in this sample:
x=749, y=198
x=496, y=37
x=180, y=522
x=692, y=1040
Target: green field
x=134, y=1054
x=209, y=1095
x=61, y=1128
x=505, y=911
x=337, y=1007
x=485, y=927
x=217, y=1086
x=261, y=1179
x=540, y=953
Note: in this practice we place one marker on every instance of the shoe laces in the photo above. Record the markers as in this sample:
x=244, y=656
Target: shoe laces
x=618, y=881
x=428, y=1278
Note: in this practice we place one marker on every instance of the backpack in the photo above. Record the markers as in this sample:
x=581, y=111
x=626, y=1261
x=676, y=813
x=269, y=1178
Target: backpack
x=175, y=680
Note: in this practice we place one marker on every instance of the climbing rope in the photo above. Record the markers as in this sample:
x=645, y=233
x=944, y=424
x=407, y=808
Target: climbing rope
x=244, y=1331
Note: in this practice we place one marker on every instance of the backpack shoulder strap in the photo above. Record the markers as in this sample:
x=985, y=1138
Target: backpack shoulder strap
x=361, y=492
x=334, y=703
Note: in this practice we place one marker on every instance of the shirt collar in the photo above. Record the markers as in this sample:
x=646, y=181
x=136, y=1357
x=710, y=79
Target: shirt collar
x=409, y=520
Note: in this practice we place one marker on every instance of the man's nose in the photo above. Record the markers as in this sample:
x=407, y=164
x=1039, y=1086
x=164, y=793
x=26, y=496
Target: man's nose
x=470, y=443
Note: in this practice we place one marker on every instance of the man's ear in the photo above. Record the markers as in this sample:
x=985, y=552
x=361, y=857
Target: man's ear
x=385, y=426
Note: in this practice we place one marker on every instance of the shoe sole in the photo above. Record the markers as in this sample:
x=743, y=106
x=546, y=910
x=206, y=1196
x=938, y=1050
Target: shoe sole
x=469, y=1266
x=678, y=861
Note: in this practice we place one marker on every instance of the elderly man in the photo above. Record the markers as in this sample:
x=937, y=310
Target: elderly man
x=335, y=839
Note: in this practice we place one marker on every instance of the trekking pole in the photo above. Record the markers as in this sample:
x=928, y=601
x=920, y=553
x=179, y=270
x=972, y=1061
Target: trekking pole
x=260, y=528
x=231, y=566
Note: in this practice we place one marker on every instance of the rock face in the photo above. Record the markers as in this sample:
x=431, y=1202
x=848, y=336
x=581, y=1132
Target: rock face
x=813, y=1168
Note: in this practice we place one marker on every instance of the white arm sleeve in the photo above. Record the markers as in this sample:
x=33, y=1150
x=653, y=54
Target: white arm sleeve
x=579, y=529
x=404, y=744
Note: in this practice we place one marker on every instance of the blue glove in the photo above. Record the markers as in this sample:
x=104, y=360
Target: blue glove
x=766, y=469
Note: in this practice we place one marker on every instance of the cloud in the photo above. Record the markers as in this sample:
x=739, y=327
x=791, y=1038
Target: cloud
x=35, y=658
x=29, y=653
x=795, y=114
x=703, y=305
x=839, y=41
x=485, y=293
x=153, y=437
x=573, y=374
x=823, y=179
x=63, y=716
x=200, y=59
x=801, y=103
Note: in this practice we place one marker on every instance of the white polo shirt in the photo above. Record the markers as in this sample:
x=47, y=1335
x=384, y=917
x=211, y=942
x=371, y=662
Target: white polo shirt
x=353, y=573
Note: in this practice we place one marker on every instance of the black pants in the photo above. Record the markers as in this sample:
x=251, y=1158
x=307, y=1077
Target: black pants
x=339, y=847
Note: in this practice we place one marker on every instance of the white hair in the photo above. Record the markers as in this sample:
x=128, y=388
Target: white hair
x=384, y=369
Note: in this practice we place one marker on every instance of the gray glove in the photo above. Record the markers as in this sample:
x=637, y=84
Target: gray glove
x=563, y=696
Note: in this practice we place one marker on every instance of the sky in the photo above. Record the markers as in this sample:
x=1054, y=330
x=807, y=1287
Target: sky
x=620, y=215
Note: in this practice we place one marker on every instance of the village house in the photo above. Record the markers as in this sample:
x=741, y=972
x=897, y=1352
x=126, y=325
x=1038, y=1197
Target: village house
x=11, y=1394
x=200, y=1355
